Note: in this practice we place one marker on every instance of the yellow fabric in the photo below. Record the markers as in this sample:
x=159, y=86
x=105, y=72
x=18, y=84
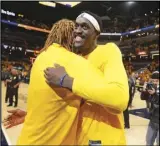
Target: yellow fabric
x=51, y=115
x=107, y=85
x=106, y=95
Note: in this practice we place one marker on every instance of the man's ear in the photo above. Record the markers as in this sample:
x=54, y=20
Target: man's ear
x=98, y=34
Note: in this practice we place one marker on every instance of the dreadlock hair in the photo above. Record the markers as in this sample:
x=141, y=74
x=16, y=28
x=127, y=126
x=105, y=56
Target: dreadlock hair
x=61, y=33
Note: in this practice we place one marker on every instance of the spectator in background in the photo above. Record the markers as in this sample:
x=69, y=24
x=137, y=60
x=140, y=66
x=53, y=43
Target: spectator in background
x=14, y=83
x=7, y=76
x=126, y=112
x=133, y=83
x=152, y=94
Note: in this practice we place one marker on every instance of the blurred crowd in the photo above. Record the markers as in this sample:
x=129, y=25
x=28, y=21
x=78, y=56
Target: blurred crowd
x=120, y=26
x=153, y=66
x=29, y=22
x=143, y=75
x=128, y=66
x=147, y=47
x=22, y=68
x=117, y=25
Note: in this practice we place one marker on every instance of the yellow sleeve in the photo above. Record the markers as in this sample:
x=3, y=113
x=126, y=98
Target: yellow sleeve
x=109, y=88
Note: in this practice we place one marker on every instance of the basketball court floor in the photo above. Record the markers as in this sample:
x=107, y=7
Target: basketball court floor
x=135, y=135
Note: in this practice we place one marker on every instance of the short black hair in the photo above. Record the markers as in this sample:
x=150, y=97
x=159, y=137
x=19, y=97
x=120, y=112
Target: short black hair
x=98, y=18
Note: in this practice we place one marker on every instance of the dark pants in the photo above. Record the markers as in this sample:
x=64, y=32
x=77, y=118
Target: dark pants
x=13, y=92
x=148, y=104
x=126, y=118
x=152, y=134
x=126, y=112
x=7, y=95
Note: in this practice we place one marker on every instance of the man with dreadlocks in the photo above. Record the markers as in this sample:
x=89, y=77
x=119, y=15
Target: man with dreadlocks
x=61, y=33
x=51, y=114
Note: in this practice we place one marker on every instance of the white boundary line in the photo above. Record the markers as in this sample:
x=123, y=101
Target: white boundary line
x=6, y=136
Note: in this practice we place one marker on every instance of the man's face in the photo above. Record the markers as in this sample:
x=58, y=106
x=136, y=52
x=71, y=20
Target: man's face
x=136, y=75
x=133, y=74
x=84, y=34
x=14, y=71
x=8, y=69
x=155, y=81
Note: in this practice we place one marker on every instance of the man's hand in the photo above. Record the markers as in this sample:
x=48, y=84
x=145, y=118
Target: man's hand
x=151, y=92
x=131, y=106
x=15, y=86
x=17, y=117
x=53, y=76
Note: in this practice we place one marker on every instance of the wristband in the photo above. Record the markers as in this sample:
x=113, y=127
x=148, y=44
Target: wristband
x=62, y=79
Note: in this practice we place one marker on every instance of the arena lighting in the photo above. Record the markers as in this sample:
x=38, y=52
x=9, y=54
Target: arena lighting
x=151, y=12
x=154, y=55
x=70, y=4
x=20, y=15
x=50, y=4
x=20, y=48
x=145, y=14
x=154, y=52
x=130, y=3
x=27, y=50
x=142, y=53
x=5, y=46
x=109, y=34
x=33, y=51
x=8, y=22
x=157, y=26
